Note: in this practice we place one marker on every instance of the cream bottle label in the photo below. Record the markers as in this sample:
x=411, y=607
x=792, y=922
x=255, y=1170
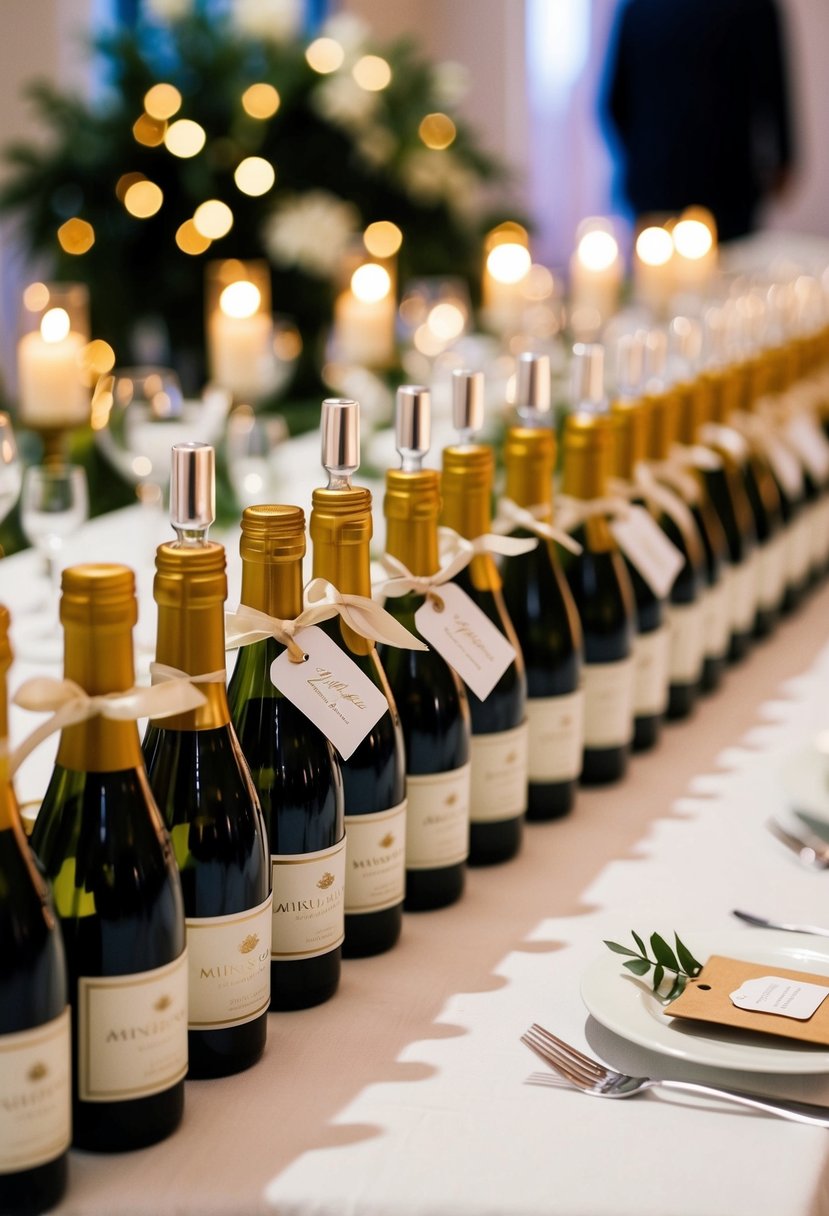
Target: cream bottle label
x=608, y=703
x=808, y=440
x=798, y=550
x=717, y=611
x=771, y=572
x=132, y=1033
x=308, y=903
x=499, y=775
x=35, y=1095
x=687, y=626
x=647, y=547
x=375, y=860
x=556, y=737
x=437, y=822
x=465, y=637
x=330, y=690
x=651, y=652
x=744, y=594
x=230, y=974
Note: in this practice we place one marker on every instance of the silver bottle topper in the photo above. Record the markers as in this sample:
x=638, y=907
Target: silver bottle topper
x=587, y=377
x=192, y=491
x=656, y=358
x=340, y=441
x=685, y=340
x=413, y=425
x=467, y=403
x=630, y=364
x=532, y=387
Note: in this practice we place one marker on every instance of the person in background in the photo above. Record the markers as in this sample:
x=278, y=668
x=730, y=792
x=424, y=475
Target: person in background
x=696, y=92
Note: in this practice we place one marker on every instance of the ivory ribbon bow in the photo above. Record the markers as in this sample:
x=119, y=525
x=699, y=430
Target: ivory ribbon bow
x=672, y=474
x=570, y=512
x=667, y=498
x=322, y=601
x=456, y=552
x=70, y=704
x=511, y=516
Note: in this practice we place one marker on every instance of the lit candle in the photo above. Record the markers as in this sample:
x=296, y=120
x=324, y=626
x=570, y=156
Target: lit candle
x=506, y=272
x=653, y=271
x=695, y=252
x=240, y=342
x=595, y=279
x=50, y=386
x=364, y=316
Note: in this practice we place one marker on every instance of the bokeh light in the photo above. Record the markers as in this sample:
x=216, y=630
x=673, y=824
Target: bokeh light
x=382, y=239
x=260, y=100
x=190, y=240
x=240, y=299
x=372, y=73
x=325, y=55
x=508, y=263
x=143, y=199
x=654, y=246
x=76, y=236
x=254, y=175
x=149, y=131
x=213, y=219
x=598, y=250
x=437, y=131
x=185, y=138
x=371, y=283
x=162, y=101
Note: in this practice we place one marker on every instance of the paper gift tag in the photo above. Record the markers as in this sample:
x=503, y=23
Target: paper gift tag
x=330, y=689
x=811, y=445
x=647, y=547
x=756, y=996
x=465, y=637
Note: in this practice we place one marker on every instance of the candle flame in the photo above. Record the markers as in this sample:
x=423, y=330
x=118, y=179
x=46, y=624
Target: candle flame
x=240, y=299
x=654, y=246
x=692, y=239
x=54, y=325
x=508, y=263
x=597, y=250
x=371, y=283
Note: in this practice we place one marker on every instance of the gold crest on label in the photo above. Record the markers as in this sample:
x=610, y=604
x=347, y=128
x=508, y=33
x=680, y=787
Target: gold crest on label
x=387, y=841
x=451, y=800
x=326, y=881
x=249, y=943
x=37, y=1072
x=511, y=758
x=163, y=1002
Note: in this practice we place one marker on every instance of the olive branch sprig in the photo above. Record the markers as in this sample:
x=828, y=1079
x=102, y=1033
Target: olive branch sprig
x=679, y=961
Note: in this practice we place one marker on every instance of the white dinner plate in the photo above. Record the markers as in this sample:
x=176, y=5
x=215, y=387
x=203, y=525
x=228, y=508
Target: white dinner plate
x=626, y=1005
x=805, y=777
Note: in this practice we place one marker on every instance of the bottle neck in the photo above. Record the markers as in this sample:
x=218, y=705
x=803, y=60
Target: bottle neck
x=467, y=510
x=586, y=472
x=99, y=658
x=529, y=482
x=273, y=587
x=191, y=637
x=411, y=507
x=346, y=563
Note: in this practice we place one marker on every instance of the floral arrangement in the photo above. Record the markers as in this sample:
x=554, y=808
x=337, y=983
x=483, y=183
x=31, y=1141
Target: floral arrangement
x=333, y=133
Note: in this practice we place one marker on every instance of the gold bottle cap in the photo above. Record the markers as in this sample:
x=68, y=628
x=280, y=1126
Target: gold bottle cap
x=471, y=466
x=272, y=533
x=412, y=496
x=588, y=454
x=530, y=456
x=630, y=436
x=342, y=516
x=190, y=576
x=535, y=444
x=661, y=423
x=98, y=593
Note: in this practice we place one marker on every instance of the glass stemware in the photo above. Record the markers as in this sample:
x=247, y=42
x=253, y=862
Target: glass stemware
x=11, y=467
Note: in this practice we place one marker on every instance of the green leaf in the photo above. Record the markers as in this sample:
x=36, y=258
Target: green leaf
x=677, y=990
x=663, y=953
x=639, y=966
x=686, y=958
x=658, y=976
x=617, y=949
x=639, y=943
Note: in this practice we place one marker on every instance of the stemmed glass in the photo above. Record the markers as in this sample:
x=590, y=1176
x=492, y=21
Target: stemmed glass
x=54, y=504
x=11, y=468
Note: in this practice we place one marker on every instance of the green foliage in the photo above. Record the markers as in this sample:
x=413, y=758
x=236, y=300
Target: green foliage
x=678, y=960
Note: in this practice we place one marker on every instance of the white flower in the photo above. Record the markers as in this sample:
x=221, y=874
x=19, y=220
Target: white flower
x=311, y=231
x=433, y=176
x=341, y=100
x=450, y=82
x=377, y=146
x=170, y=10
x=349, y=30
x=268, y=20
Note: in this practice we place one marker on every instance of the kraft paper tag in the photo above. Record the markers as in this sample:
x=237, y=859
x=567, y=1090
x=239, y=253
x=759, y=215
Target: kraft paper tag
x=330, y=689
x=647, y=547
x=755, y=996
x=465, y=637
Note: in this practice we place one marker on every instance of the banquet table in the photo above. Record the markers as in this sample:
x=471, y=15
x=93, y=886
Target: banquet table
x=406, y=1093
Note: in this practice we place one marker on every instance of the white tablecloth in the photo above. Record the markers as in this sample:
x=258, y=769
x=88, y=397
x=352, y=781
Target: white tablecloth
x=405, y=1094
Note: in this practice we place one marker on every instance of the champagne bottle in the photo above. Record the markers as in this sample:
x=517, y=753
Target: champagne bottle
x=116, y=889
x=685, y=612
x=541, y=607
x=430, y=697
x=204, y=790
x=296, y=773
x=499, y=728
x=651, y=644
x=35, y=1047
x=599, y=580
x=374, y=775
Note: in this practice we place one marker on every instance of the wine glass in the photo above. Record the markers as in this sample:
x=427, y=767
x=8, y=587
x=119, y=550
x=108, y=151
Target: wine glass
x=250, y=444
x=11, y=467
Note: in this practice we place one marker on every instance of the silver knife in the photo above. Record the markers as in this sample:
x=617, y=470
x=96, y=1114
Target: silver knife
x=811, y=850
x=763, y=923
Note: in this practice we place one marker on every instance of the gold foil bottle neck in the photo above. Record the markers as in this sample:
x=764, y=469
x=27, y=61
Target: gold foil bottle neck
x=341, y=529
x=630, y=436
x=412, y=509
x=98, y=593
x=530, y=456
x=662, y=424
x=588, y=454
x=272, y=547
x=468, y=473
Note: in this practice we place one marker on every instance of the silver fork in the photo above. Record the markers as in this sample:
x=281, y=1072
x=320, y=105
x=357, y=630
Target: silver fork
x=596, y=1079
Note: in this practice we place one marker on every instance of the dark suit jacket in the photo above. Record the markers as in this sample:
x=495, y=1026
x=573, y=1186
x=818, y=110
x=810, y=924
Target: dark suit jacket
x=696, y=92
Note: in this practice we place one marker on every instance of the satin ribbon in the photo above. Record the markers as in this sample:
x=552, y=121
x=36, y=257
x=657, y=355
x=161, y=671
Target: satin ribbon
x=570, y=512
x=694, y=456
x=511, y=516
x=70, y=704
x=456, y=552
x=659, y=498
x=322, y=601
x=671, y=474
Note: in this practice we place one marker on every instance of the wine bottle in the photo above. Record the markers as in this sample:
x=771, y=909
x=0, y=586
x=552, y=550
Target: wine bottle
x=116, y=889
x=651, y=643
x=541, y=607
x=204, y=790
x=685, y=612
x=296, y=773
x=599, y=579
x=430, y=697
x=374, y=775
x=35, y=1046
x=499, y=727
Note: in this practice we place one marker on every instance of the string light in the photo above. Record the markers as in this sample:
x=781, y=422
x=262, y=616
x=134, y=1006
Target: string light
x=372, y=73
x=185, y=138
x=260, y=100
x=437, y=131
x=149, y=131
x=213, y=219
x=325, y=55
x=36, y=297
x=162, y=101
x=190, y=240
x=254, y=175
x=143, y=199
x=76, y=236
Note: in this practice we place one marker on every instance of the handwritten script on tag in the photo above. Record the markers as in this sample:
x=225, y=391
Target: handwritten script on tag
x=773, y=994
x=330, y=690
x=466, y=638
